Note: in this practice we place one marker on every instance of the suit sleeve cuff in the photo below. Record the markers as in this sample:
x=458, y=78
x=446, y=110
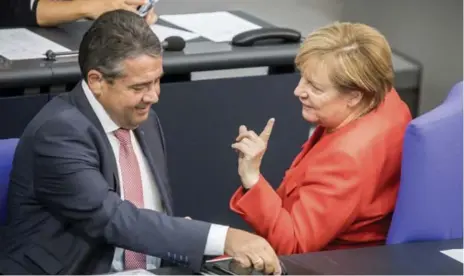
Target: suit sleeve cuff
x=216, y=240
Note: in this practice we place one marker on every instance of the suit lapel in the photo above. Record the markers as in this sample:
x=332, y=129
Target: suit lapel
x=294, y=171
x=79, y=99
x=308, y=145
x=141, y=135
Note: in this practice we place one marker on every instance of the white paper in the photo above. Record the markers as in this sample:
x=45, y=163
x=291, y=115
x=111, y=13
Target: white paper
x=456, y=254
x=23, y=44
x=215, y=26
x=164, y=32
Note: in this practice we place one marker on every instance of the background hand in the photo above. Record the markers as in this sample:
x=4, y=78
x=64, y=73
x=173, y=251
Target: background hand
x=251, y=251
x=95, y=8
x=151, y=17
x=251, y=148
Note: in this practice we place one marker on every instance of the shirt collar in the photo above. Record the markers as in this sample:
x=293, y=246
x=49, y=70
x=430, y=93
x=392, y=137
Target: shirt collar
x=108, y=124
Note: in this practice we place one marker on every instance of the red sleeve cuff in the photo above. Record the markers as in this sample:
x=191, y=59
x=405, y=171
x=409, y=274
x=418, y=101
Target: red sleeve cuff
x=256, y=203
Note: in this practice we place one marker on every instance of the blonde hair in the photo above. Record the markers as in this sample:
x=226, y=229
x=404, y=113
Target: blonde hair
x=361, y=59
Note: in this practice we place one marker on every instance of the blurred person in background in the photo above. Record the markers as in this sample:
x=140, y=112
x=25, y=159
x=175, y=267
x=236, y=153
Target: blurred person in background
x=48, y=13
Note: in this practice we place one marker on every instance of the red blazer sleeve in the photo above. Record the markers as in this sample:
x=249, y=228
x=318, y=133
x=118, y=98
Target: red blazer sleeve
x=325, y=201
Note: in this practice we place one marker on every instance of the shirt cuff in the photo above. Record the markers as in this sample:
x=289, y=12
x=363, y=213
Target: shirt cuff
x=216, y=240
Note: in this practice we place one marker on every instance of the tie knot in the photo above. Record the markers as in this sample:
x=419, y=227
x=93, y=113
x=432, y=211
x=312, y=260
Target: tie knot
x=123, y=135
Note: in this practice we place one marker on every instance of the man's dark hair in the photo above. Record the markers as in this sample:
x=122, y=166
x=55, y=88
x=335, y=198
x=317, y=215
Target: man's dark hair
x=113, y=37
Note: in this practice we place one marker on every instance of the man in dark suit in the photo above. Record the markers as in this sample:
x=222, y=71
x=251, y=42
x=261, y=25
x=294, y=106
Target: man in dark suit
x=89, y=192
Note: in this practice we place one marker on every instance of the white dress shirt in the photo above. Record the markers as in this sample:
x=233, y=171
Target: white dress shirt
x=151, y=197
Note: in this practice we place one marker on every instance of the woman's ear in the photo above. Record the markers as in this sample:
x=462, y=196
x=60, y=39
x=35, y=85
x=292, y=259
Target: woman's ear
x=355, y=97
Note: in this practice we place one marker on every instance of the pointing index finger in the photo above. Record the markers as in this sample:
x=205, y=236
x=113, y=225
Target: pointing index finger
x=242, y=129
x=266, y=133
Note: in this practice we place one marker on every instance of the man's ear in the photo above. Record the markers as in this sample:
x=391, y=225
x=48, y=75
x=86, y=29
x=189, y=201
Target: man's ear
x=95, y=82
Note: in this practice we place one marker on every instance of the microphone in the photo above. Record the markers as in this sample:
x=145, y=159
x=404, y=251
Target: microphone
x=173, y=43
x=51, y=55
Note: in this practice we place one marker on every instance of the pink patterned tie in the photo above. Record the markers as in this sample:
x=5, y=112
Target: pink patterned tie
x=132, y=186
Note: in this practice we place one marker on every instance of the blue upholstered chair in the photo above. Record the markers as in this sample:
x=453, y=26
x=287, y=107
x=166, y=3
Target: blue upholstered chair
x=7, y=149
x=429, y=205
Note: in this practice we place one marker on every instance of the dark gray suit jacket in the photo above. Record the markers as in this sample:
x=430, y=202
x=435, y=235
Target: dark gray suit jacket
x=65, y=214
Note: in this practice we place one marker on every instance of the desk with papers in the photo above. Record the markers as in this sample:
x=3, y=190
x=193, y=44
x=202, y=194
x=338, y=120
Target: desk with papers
x=208, y=49
x=200, y=54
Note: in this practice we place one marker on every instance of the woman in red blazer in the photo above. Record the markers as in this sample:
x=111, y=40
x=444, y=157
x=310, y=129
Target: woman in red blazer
x=340, y=190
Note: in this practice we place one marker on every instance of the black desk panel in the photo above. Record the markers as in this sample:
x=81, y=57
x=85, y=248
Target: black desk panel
x=17, y=112
x=201, y=120
x=422, y=258
x=24, y=73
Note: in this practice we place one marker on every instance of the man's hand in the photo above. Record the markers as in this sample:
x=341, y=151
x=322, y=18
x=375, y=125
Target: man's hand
x=251, y=251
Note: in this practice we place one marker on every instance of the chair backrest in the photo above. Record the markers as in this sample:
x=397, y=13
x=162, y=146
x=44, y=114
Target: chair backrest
x=429, y=204
x=7, y=149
